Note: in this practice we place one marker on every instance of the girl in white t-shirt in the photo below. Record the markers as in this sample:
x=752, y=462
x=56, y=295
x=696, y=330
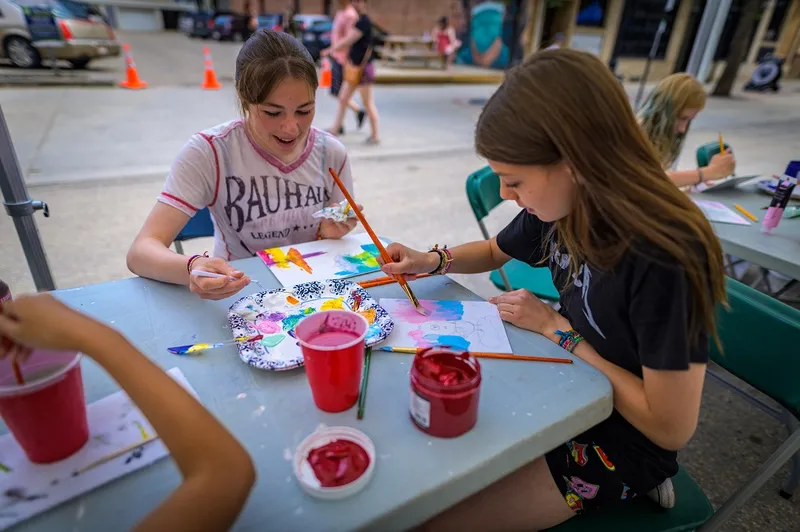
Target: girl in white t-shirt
x=262, y=177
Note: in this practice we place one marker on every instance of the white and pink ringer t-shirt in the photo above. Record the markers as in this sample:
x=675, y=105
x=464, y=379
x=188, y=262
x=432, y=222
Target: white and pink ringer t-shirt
x=256, y=201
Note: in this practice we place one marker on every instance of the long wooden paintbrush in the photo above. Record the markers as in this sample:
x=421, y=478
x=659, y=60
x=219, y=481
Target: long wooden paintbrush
x=380, y=281
x=478, y=354
x=375, y=240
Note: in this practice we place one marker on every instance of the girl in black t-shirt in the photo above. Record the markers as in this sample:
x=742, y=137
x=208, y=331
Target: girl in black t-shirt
x=639, y=273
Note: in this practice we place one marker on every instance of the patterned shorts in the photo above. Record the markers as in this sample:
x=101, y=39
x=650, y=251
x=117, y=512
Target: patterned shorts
x=586, y=477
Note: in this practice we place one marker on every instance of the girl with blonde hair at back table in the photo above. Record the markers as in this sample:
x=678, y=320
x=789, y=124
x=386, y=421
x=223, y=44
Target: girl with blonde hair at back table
x=639, y=273
x=666, y=116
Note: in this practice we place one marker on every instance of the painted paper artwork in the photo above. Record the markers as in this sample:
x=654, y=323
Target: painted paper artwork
x=322, y=259
x=467, y=325
x=27, y=489
x=275, y=313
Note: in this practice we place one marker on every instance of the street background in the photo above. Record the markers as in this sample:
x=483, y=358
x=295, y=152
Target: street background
x=99, y=155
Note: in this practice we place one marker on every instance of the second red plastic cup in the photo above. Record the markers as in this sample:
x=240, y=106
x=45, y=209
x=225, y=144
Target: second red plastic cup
x=332, y=342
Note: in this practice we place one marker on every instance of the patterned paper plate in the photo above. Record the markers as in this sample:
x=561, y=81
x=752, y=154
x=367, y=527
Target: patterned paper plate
x=275, y=313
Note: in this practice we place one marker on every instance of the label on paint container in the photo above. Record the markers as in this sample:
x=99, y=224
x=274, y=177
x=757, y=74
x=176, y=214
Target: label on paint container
x=420, y=410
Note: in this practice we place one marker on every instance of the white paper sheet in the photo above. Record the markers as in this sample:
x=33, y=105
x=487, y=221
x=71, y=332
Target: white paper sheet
x=27, y=489
x=323, y=259
x=468, y=325
x=719, y=212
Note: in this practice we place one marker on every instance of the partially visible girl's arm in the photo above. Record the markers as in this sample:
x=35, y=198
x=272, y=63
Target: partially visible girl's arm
x=473, y=257
x=150, y=254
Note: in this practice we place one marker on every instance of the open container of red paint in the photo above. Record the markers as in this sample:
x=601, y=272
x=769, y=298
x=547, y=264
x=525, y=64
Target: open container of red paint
x=343, y=457
x=445, y=391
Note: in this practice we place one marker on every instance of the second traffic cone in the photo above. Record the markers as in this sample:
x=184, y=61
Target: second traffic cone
x=132, y=81
x=325, y=75
x=210, y=83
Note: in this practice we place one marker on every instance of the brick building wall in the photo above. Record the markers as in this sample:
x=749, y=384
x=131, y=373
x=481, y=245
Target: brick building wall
x=408, y=17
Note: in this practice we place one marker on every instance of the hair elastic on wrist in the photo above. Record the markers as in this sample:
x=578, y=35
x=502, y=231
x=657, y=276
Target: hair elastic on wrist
x=194, y=258
x=569, y=340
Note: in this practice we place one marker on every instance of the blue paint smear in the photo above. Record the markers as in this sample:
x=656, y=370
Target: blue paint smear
x=454, y=342
x=448, y=310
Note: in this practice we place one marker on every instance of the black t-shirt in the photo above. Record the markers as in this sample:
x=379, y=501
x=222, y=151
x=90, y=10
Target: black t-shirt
x=360, y=47
x=635, y=315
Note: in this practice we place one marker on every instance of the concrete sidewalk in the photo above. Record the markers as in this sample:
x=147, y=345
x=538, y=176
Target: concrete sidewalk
x=71, y=135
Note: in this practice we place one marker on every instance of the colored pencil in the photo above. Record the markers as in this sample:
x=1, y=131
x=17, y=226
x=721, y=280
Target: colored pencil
x=380, y=281
x=375, y=240
x=744, y=211
x=115, y=454
x=478, y=354
x=362, y=396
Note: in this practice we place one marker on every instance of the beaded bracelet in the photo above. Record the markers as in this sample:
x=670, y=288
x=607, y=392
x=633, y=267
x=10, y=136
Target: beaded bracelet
x=569, y=340
x=194, y=258
x=445, y=259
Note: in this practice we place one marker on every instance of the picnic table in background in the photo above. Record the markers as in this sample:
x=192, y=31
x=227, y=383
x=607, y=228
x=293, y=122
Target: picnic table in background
x=402, y=48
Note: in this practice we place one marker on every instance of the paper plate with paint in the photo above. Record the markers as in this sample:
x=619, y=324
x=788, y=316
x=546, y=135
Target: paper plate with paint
x=275, y=313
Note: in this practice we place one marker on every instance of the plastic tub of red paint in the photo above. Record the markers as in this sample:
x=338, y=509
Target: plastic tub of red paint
x=47, y=414
x=334, y=462
x=445, y=390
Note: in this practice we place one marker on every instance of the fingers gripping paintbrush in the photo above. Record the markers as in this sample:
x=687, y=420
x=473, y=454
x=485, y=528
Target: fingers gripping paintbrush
x=375, y=240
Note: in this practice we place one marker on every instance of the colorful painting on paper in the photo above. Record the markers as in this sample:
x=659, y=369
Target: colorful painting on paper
x=275, y=314
x=27, y=489
x=462, y=325
x=322, y=259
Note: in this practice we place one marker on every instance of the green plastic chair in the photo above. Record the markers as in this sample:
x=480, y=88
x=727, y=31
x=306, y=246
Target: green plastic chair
x=761, y=337
x=483, y=192
x=707, y=151
x=692, y=509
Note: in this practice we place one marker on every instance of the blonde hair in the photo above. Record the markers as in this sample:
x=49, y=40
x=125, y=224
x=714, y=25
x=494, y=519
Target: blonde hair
x=565, y=105
x=673, y=95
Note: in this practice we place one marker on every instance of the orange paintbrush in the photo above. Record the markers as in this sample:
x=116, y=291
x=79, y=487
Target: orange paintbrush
x=500, y=356
x=380, y=281
x=375, y=240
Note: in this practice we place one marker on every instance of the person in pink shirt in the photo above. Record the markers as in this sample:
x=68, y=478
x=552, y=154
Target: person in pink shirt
x=343, y=22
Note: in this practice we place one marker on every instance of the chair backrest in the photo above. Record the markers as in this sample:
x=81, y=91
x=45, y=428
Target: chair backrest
x=483, y=192
x=199, y=226
x=707, y=151
x=761, y=344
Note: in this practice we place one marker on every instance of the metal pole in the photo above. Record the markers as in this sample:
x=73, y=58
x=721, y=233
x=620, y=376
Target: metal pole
x=702, y=36
x=662, y=27
x=713, y=40
x=21, y=208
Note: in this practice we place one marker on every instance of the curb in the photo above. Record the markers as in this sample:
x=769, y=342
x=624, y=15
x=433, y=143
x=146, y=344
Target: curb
x=52, y=81
x=432, y=79
x=160, y=172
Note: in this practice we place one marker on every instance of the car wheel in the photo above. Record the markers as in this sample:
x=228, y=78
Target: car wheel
x=21, y=53
x=217, y=36
x=79, y=64
x=237, y=37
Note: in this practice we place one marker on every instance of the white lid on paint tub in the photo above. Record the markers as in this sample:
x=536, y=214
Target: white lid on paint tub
x=322, y=436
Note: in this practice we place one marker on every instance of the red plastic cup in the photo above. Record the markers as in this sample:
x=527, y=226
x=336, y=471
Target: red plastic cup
x=47, y=414
x=333, y=351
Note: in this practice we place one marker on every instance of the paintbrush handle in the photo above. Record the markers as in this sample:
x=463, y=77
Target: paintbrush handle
x=203, y=273
x=375, y=240
x=478, y=354
x=115, y=454
x=386, y=280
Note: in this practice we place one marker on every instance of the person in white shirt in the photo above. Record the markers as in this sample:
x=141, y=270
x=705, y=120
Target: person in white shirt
x=262, y=177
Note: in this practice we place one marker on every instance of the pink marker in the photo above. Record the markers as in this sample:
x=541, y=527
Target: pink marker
x=779, y=201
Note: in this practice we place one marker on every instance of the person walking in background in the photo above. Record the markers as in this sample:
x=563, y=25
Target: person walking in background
x=447, y=44
x=343, y=22
x=666, y=116
x=359, y=72
x=558, y=42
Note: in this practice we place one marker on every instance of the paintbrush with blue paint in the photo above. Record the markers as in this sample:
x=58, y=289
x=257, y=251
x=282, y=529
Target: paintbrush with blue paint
x=196, y=348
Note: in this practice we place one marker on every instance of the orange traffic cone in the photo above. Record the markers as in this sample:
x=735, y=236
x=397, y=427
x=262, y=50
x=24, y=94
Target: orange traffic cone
x=211, y=83
x=325, y=76
x=133, y=81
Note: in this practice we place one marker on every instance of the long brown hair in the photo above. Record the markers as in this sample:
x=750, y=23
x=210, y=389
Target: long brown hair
x=672, y=95
x=565, y=105
x=266, y=59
